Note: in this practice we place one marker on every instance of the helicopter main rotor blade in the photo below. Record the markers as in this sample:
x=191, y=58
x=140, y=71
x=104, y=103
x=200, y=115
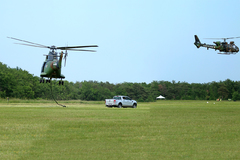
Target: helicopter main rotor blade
x=81, y=50
x=223, y=38
x=231, y=37
x=32, y=45
x=28, y=42
x=213, y=38
x=65, y=48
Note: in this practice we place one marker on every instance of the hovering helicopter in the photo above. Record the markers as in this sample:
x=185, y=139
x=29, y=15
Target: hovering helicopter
x=223, y=47
x=51, y=67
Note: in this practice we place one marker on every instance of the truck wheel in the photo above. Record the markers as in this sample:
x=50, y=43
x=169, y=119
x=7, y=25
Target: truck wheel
x=119, y=105
x=134, y=106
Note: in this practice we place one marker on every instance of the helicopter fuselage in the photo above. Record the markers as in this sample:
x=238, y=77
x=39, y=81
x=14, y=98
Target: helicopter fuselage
x=51, y=67
x=225, y=47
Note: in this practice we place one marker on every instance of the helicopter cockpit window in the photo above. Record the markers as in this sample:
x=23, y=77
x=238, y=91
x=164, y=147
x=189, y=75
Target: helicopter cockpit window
x=50, y=57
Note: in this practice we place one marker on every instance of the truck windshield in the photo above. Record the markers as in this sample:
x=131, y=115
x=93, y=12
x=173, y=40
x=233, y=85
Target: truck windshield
x=116, y=97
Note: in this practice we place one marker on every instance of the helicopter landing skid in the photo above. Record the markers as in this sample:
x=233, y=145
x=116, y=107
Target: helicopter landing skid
x=225, y=53
x=43, y=80
x=61, y=82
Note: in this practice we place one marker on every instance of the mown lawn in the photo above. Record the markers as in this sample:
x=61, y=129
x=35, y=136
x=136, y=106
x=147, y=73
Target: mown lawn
x=89, y=130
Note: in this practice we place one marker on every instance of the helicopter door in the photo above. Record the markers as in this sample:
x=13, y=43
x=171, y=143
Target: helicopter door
x=43, y=66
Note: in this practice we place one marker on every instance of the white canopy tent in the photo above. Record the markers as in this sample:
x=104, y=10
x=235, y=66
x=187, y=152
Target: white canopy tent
x=160, y=97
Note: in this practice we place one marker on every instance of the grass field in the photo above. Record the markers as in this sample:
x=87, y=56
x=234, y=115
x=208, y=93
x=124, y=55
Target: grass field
x=89, y=130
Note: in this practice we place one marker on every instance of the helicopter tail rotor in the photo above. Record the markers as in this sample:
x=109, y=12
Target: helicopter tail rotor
x=65, y=57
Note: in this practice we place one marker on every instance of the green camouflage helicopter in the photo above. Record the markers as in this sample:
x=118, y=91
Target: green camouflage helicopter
x=51, y=67
x=223, y=47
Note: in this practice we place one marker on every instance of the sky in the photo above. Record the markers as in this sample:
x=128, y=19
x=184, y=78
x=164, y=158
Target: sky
x=139, y=40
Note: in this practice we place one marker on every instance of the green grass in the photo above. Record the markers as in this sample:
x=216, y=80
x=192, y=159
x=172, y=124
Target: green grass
x=89, y=130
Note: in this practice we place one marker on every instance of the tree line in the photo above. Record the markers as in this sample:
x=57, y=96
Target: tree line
x=18, y=83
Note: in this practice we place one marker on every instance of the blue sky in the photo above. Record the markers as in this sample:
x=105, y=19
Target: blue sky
x=139, y=40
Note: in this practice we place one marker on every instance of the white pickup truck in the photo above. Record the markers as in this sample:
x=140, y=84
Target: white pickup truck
x=121, y=101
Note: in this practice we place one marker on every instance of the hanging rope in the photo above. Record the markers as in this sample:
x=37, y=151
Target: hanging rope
x=53, y=96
